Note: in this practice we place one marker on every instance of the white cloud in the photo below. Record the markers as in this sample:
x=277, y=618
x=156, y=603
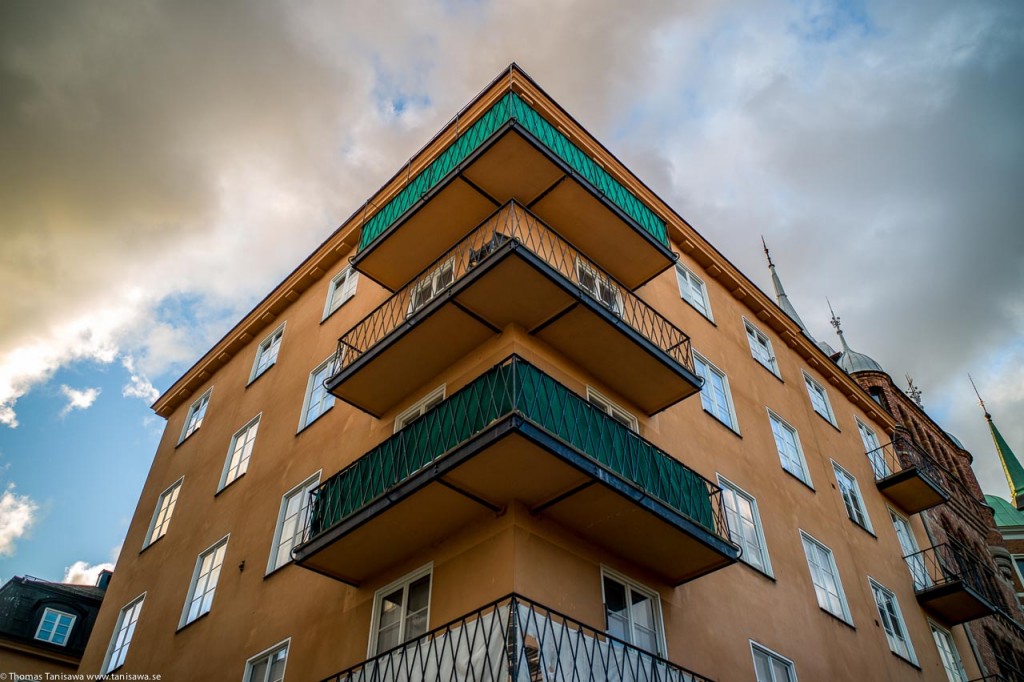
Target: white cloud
x=83, y=573
x=17, y=514
x=78, y=399
x=138, y=385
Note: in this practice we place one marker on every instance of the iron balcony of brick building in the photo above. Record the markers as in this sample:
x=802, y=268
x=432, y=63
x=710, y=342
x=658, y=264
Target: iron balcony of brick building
x=953, y=583
x=513, y=270
x=511, y=152
x=908, y=476
x=515, y=434
x=519, y=640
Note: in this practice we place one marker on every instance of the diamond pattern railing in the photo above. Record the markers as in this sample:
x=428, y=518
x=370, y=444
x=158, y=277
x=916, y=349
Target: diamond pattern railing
x=950, y=562
x=512, y=223
x=515, y=387
x=517, y=640
x=904, y=453
x=511, y=107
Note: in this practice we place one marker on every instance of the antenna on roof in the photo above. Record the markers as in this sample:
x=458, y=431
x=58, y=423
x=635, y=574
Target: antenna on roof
x=913, y=391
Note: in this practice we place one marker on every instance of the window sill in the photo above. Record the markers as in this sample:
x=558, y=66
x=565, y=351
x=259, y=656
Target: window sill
x=229, y=484
x=866, y=530
x=150, y=544
x=318, y=418
x=838, y=619
x=278, y=569
x=191, y=622
x=795, y=477
x=764, y=574
x=706, y=317
x=340, y=306
x=185, y=439
x=770, y=371
x=828, y=421
x=719, y=421
x=255, y=378
x=909, y=662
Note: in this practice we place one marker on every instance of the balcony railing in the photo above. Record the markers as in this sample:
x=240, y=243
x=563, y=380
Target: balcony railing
x=903, y=453
x=515, y=226
x=519, y=640
x=516, y=387
x=951, y=570
x=512, y=108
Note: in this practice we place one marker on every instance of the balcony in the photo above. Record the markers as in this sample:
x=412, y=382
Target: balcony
x=516, y=639
x=512, y=152
x=513, y=270
x=907, y=475
x=954, y=584
x=516, y=434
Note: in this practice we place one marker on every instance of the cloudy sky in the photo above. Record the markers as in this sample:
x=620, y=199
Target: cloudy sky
x=164, y=164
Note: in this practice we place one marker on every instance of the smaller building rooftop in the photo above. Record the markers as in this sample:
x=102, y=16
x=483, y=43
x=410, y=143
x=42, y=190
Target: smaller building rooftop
x=1006, y=514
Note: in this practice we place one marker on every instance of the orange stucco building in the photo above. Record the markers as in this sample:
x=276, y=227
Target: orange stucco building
x=517, y=419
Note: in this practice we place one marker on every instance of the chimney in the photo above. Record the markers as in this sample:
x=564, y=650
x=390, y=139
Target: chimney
x=103, y=580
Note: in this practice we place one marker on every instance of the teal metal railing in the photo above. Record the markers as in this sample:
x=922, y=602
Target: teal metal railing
x=515, y=387
x=511, y=107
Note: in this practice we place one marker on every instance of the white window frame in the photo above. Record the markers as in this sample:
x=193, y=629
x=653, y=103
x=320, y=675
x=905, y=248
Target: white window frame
x=733, y=423
x=756, y=648
x=346, y=280
x=873, y=450
x=309, y=394
x=613, y=410
x=1016, y=567
x=435, y=281
x=915, y=566
x=959, y=674
x=686, y=290
x=301, y=489
x=418, y=408
x=200, y=404
x=404, y=582
x=838, y=470
x=812, y=384
x=890, y=637
x=756, y=336
x=599, y=286
x=633, y=585
x=116, y=650
x=762, y=545
x=272, y=341
x=58, y=613
x=248, y=444
x=268, y=653
x=194, y=583
x=806, y=478
x=809, y=541
x=173, y=490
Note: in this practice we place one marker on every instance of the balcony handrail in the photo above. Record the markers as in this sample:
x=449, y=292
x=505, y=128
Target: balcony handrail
x=904, y=453
x=515, y=387
x=514, y=638
x=512, y=108
x=950, y=561
x=515, y=225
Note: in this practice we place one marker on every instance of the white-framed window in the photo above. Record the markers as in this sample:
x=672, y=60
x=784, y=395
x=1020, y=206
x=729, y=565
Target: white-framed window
x=266, y=353
x=852, y=498
x=825, y=575
x=715, y=396
x=908, y=545
x=599, y=286
x=873, y=449
x=744, y=522
x=420, y=407
x=770, y=666
x=196, y=413
x=761, y=347
x=431, y=285
x=892, y=622
x=787, y=442
x=617, y=413
x=204, y=582
x=950, y=657
x=239, y=452
x=124, y=630
x=55, y=626
x=163, y=512
x=342, y=288
x=401, y=611
x=693, y=291
x=290, y=520
x=1018, y=564
x=268, y=666
x=317, y=400
x=819, y=399
x=632, y=612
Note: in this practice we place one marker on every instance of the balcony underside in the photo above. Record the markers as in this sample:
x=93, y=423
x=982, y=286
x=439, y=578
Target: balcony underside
x=912, y=491
x=511, y=460
x=513, y=286
x=512, y=164
x=955, y=602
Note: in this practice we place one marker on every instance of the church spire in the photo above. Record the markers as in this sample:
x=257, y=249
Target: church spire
x=1011, y=465
x=780, y=293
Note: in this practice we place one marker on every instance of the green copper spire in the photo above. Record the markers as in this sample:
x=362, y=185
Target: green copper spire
x=1011, y=465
